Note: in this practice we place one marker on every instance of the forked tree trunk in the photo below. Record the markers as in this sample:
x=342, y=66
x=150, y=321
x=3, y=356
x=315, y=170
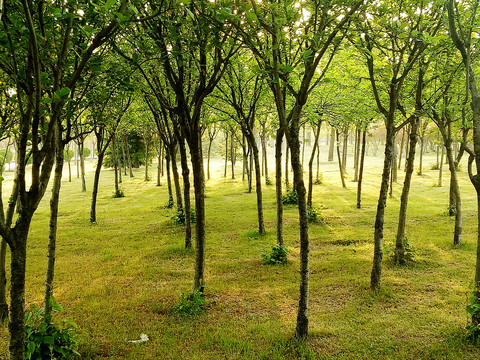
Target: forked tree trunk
x=360, y=172
x=402, y=217
x=278, y=185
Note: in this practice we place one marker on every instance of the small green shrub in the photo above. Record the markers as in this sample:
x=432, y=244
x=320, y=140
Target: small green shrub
x=190, y=304
x=169, y=204
x=277, y=256
x=268, y=181
x=410, y=251
x=118, y=193
x=435, y=167
x=473, y=329
x=290, y=198
x=314, y=215
x=179, y=217
x=47, y=340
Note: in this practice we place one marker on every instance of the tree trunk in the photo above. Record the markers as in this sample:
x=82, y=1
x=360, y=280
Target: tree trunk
x=278, y=185
x=402, y=217
x=340, y=166
x=176, y=177
x=169, y=180
x=360, y=172
x=440, y=167
x=376, y=274
x=52, y=235
x=265, y=158
x=77, y=160
x=16, y=325
x=301, y=330
x=317, y=179
x=258, y=182
x=69, y=170
x=159, y=166
x=199, y=186
x=147, y=148
x=115, y=168
x=250, y=172
x=82, y=167
x=310, y=165
x=96, y=181
x=401, y=149
x=303, y=144
x=332, y=144
x=124, y=158
x=394, y=163
x=186, y=193
x=345, y=150
x=287, y=182
x=226, y=154
x=356, y=154
x=420, y=167
x=457, y=236
x=232, y=154
x=209, y=153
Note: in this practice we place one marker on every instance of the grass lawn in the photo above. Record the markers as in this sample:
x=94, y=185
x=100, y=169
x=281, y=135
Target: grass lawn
x=121, y=277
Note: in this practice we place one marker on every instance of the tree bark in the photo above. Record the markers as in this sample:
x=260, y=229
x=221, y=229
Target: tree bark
x=176, y=177
x=169, y=180
x=332, y=144
x=287, y=182
x=278, y=185
x=147, y=156
x=82, y=167
x=159, y=166
x=258, y=181
x=310, y=165
x=360, y=172
x=402, y=217
x=232, y=153
x=52, y=235
x=186, y=192
x=375, y=277
x=226, y=154
x=340, y=165
x=96, y=181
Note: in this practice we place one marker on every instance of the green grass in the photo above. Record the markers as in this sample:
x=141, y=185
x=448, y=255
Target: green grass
x=123, y=276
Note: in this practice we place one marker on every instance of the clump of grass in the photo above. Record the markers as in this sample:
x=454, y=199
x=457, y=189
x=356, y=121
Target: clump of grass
x=409, y=253
x=314, y=214
x=319, y=180
x=278, y=255
x=190, y=304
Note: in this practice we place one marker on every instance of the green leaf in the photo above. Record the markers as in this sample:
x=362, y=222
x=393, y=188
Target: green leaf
x=109, y=4
x=61, y=93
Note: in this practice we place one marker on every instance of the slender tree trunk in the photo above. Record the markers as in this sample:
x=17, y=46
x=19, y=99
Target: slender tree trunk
x=420, y=167
x=96, y=181
x=278, y=185
x=258, y=182
x=115, y=168
x=310, y=166
x=340, y=166
x=176, y=177
x=159, y=166
x=402, y=217
x=209, y=153
x=226, y=154
x=394, y=163
x=345, y=150
x=317, y=179
x=52, y=235
x=169, y=180
x=250, y=172
x=407, y=149
x=287, y=182
x=147, y=157
x=440, y=167
x=82, y=167
x=457, y=236
x=265, y=157
x=186, y=193
x=303, y=144
x=360, y=172
x=232, y=154
x=199, y=186
x=301, y=330
x=356, y=154
x=332, y=144
x=402, y=143
x=77, y=160
x=124, y=158
x=376, y=274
